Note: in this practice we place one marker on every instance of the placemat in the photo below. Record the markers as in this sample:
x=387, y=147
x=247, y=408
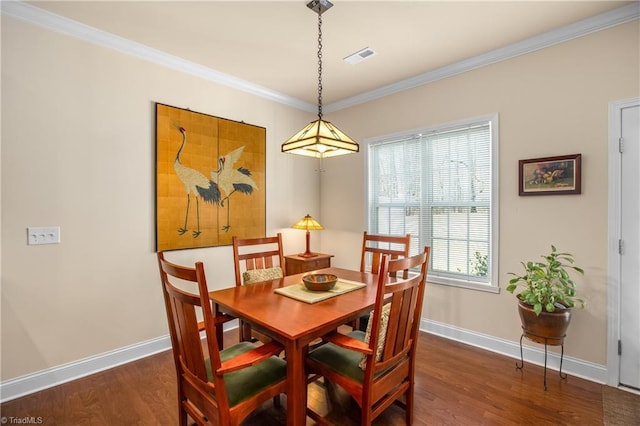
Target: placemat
x=300, y=292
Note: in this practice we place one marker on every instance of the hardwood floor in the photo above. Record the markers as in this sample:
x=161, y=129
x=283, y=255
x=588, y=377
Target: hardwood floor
x=456, y=384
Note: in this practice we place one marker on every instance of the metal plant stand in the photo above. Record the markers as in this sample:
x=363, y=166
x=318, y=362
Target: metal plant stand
x=545, y=341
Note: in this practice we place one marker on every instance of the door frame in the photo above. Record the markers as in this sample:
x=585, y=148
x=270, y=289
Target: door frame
x=613, y=291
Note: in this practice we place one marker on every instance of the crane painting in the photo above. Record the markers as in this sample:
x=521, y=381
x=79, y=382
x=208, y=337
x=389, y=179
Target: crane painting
x=230, y=180
x=209, y=175
x=194, y=183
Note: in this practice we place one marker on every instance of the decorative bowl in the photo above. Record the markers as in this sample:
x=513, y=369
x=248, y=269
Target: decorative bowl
x=320, y=282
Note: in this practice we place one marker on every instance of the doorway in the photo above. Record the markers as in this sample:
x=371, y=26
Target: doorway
x=623, y=360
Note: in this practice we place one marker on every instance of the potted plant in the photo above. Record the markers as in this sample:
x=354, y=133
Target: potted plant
x=546, y=298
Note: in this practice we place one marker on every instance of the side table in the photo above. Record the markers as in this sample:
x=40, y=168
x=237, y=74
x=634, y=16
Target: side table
x=296, y=264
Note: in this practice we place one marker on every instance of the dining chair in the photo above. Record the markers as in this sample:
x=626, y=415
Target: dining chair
x=377, y=367
x=374, y=246
x=215, y=386
x=256, y=260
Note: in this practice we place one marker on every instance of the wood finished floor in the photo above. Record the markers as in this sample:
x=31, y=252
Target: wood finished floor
x=456, y=384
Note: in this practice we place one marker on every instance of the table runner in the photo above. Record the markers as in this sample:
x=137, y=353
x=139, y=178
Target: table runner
x=300, y=292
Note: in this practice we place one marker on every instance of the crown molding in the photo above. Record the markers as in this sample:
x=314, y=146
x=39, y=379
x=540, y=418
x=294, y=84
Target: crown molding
x=60, y=24
x=57, y=23
x=587, y=26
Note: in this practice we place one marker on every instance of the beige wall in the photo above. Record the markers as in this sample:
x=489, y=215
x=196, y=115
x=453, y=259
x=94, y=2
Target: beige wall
x=78, y=152
x=550, y=102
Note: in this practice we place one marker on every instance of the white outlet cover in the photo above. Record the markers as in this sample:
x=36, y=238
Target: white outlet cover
x=37, y=235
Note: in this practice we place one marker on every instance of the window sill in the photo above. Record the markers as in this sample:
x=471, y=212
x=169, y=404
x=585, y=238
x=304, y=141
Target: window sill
x=464, y=284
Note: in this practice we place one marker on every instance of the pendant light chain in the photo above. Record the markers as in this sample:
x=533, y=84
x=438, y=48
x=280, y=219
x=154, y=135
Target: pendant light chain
x=320, y=139
x=320, y=66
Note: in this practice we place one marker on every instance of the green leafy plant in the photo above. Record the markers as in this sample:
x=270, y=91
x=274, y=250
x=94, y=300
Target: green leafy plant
x=480, y=264
x=548, y=284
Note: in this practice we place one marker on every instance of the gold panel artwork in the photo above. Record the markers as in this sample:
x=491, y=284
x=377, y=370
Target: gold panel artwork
x=210, y=179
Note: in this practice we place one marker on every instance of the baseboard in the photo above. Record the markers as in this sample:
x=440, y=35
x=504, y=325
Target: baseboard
x=44, y=379
x=533, y=354
x=25, y=385
x=30, y=383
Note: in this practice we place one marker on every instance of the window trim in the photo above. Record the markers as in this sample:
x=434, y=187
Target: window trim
x=494, y=285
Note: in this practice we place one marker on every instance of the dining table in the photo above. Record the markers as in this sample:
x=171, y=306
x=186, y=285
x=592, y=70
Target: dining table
x=296, y=323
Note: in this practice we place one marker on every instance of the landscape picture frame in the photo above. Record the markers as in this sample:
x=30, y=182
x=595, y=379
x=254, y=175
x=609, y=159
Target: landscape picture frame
x=557, y=175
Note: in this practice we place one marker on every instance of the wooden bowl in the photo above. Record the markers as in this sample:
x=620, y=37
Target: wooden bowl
x=320, y=282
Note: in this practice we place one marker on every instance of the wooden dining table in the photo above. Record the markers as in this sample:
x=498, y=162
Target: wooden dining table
x=295, y=323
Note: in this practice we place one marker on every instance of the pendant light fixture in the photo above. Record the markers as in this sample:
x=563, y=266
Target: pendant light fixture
x=320, y=138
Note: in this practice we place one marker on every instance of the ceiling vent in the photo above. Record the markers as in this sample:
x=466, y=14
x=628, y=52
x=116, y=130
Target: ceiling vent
x=360, y=56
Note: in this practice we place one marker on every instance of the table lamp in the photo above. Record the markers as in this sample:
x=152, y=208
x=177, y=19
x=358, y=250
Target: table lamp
x=308, y=223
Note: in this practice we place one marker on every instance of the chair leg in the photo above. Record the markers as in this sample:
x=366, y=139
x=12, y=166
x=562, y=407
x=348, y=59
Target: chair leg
x=220, y=336
x=182, y=414
x=363, y=322
x=366, y=416
x=316, y=417
x=245, y=332
x=408, y=409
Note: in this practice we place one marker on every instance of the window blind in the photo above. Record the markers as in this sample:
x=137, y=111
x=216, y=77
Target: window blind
x=436, y=184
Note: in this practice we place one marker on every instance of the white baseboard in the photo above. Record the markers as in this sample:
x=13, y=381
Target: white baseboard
x=533, y=354
x=44, y=379
x=30, y=383
x=25, y=385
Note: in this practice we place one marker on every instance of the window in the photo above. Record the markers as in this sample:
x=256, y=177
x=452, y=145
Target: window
x=439, y=184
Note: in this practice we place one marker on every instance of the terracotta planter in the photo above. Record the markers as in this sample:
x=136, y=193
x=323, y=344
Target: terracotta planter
x=548, y=327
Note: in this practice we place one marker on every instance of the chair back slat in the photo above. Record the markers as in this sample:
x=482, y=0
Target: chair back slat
x=183, y=308
x=189, y=344
x=252, y=254
x=268, y=256
x=405, y=297
x=374, y=246
x=207, y=393
x=389, y=360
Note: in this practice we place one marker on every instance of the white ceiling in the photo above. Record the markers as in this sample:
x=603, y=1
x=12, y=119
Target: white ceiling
x=273, y=44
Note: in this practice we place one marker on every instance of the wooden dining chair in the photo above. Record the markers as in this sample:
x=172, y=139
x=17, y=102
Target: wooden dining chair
x=374, y=246
x=256, y=260
x=215, y=386
x=377, y=367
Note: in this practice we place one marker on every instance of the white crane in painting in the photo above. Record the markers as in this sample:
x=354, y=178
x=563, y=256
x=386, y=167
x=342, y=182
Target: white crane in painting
x=196, y=183
x=230, y=180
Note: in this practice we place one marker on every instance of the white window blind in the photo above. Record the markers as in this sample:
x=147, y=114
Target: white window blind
x=437, y=184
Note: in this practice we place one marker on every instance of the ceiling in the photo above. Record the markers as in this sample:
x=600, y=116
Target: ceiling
x=273, y=44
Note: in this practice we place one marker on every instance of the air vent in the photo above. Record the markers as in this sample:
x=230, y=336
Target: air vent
x=360, y=56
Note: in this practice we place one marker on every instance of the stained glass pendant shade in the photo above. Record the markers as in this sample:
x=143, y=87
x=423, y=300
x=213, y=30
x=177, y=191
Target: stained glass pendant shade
x=320, y=138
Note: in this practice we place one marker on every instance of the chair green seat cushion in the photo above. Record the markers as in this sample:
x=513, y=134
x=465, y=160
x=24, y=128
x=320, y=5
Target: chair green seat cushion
x=258, y=275
x=341, y=360
x=245, y=383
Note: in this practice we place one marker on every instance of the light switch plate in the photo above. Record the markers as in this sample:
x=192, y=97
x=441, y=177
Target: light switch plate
x=43, y=235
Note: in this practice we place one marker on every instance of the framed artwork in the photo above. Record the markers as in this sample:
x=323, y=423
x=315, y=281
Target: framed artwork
x=210, y=179
x=550, y=175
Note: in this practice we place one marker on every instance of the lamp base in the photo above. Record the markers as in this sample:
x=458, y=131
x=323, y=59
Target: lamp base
x=307, y=254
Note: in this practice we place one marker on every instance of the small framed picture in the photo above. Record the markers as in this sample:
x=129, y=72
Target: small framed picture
x=550, y=175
